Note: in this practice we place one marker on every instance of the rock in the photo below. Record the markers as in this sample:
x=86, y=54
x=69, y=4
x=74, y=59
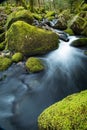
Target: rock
x=79, y=42
x=68, y=114
x=17, y=57
x=34, y=65
x=23, y=15
x=4, y=63
x=30, y=40
x=61, y=24
x=77, y=25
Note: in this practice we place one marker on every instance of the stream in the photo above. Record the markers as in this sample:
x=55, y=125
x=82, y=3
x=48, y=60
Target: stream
x=24, y=96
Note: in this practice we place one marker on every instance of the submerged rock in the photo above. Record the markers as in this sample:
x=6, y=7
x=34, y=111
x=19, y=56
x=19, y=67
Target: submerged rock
x=30, y=40
x=68, y=114
x=34, y=65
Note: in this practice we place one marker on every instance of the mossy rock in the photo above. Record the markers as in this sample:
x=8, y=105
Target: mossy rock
x=77, y=25
x=2, y=37
x=79, y=42
x=17, y=57
x=34, y=65
x=69, y=31
x=23, y=15
x=84, y=32
x=30, y=40
x=50, y=13
x=68, y=114
x=37, y=16
x=4, y=63
x=2, y=45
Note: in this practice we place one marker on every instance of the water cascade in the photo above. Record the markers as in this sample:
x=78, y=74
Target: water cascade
x=24, y=96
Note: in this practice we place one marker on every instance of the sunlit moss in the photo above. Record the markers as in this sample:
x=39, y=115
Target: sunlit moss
x=37, y=16
x=17, y=57
x=23, y=15
x=68, y=114
x=4, y=63
x=34, y=65
x=50, y=13
x=69, y=31
x=30, y=40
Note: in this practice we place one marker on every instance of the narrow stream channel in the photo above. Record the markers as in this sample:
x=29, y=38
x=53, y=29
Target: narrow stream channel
x=24, y=96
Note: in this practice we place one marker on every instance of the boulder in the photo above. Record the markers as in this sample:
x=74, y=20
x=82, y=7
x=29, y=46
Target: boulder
x=79, y=42
x=30, y=40
x=34, y=65
x=17, y=57
x=4, y=63
x=68, y=114
x=77, y=25
x=22, y=15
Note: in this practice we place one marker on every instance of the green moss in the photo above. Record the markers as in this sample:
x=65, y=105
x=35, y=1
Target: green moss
x=17, y=57
x=2, y=37
x=4, y=63
x=2, y=45
x=50, y=13
x=22, y=15
x=83, y=14
x=30, y=40
x=37, y=16
x=68, y=114
x=77, y=25
x=84, y=7
x=79, y=42
x=34, y=65
x=50, y=18
x=69, y=31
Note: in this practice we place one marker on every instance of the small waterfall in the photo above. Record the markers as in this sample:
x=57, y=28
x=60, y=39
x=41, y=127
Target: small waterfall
x=24, y=96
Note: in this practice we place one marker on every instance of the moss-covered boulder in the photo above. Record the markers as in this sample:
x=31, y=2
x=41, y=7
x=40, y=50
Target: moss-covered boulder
x=30, y=40
x=68, y=114
x=79, y=42
x=17, y=57
x=77, y=25
x=34, y=65
x=4, y=63
x=23, y=15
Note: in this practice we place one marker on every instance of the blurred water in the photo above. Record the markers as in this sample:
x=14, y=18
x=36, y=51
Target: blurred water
x=24, y=96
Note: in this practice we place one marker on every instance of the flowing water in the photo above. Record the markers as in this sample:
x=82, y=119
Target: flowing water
x=24, y=96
